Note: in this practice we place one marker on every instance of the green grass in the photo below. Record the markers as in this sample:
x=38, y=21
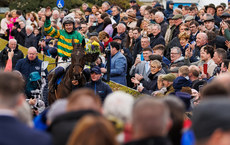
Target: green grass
x=24, y=50
x=113, y=85
x=2, y=16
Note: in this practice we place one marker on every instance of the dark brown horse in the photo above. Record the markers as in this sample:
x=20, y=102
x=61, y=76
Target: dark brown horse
x=74, y=73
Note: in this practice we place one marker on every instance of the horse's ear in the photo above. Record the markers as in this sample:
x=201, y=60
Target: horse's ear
x=74, y=45
x=83, y=43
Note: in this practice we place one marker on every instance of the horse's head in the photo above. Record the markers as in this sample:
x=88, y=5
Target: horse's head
x=79, y=59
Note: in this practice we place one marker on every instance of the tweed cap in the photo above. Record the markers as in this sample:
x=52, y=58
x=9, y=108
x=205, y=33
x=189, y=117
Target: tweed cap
x=177, y=16
x=169, y=77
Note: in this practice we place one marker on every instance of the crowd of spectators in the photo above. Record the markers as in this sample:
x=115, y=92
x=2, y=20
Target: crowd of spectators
x=176, y=57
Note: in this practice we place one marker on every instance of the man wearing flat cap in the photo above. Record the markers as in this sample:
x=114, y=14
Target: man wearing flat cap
x=211, y=9
x=168, y=83
x=209, y=23
x=99, y=87
x=225, y=16
x=177, y=22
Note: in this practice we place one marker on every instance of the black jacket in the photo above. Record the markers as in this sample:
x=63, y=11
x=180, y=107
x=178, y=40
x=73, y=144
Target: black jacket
x=159, y=39
x=150, y=86
x=4, y=56
x=99, y=27
x=100, y=87
x=150, y=141
x=174, y=42
x=176, y=31
x=164, y=27
x=63, y=125
x=19, y=36
x=137, y=48
x=117, y=18
x=30, y=41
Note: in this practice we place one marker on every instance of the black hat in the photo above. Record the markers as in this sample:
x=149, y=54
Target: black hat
x=88, y=9
x=199, y=85
x=210, y=115
x=170, y=17
x=96, y=70
x=117, y=37
x=132, y=1
x=225, y=15
x=210, y=6
x=171, y=3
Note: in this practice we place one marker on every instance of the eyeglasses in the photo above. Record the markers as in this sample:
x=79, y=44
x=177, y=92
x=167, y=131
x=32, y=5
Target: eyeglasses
x=174, y=53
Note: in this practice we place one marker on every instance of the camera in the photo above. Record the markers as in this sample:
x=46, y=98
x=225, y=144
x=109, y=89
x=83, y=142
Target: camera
x=16, y=24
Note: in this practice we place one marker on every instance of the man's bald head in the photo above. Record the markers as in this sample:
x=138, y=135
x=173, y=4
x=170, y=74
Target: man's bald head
x=150, y=118
x=32, y=53
x=201, y=39
x=223, y=79
x=194, y=71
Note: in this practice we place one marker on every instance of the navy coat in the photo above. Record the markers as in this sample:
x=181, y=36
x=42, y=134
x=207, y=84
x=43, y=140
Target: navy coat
x=25, y=66
x=13, y=132
x=99, y=87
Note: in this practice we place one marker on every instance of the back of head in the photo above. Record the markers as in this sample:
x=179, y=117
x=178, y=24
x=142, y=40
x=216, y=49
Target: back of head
x=150, y=118
x=11, y=87
x=210, y=116
x=83, y=99
x=184, y=71
x=125, y=103
x=177, y=110
x=214, y=90
x=93, y=130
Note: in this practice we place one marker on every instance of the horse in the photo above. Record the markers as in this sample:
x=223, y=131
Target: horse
x=74, y=73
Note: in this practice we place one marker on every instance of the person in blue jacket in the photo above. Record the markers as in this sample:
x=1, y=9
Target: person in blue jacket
x=169, y=8
x=29, y=64
x=99, y=87
x=118, y=65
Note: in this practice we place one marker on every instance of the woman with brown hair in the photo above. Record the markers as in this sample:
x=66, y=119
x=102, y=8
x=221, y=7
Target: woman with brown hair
x=93, y=130
x=107, y=26
x=95, y=9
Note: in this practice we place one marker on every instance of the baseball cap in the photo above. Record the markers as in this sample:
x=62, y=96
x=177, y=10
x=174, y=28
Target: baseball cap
x=96, y=70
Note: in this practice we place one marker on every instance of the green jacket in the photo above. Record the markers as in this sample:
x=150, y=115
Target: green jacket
x=64, y=45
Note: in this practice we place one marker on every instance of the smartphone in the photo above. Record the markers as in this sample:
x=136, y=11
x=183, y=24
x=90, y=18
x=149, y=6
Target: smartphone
x=139, y=56
x=205, y=68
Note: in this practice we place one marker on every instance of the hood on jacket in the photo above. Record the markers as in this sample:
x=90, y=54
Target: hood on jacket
x=180, y=82
x=185, y=97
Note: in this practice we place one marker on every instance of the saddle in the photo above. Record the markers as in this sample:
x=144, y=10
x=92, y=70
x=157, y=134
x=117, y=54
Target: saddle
x=55, y=80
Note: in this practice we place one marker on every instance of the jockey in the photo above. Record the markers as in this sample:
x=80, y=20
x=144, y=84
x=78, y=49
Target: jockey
x=64, y=45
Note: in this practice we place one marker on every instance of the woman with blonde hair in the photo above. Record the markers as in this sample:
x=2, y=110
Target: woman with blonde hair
x=80, y=15
x=184, y=41
x=33, y=19
x=93, y=130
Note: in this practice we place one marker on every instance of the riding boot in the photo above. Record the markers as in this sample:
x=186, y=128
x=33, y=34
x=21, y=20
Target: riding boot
x=57, y=74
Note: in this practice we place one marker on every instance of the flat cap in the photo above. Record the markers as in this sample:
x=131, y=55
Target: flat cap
x=169, y=77
x=177, y=16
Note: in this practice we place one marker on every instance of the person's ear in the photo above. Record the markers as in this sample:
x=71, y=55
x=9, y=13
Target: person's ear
x=21, y=99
